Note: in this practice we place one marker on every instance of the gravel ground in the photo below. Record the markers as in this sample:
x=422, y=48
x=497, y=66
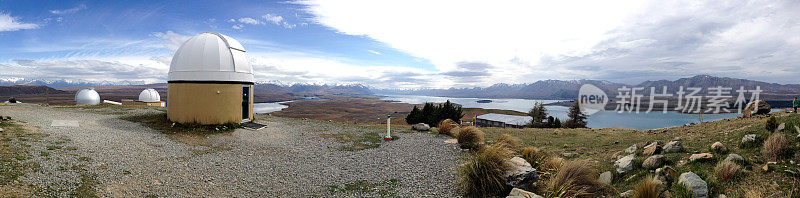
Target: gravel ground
x=288, y=158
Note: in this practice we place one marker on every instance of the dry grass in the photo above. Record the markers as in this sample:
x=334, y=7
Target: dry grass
x=470, y=137
x=574, y=179
x=535, y=156
x=647, y=188
x=552, y=164
x=446, y=127
x=752, y=194
x=508, y=141
x=776, y=147
x=727, y=170
x=482, y=174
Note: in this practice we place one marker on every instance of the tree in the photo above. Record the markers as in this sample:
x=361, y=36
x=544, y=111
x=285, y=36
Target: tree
x=432, y=114
x=415, y=116
x=576, y=118
x=539, y=114
x=556, y=123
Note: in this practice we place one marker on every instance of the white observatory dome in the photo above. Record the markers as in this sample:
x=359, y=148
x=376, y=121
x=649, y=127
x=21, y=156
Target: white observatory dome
x=149, y=95
x=87, y=97
x=211, y=56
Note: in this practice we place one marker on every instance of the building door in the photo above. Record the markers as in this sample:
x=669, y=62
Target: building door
x=246, y=103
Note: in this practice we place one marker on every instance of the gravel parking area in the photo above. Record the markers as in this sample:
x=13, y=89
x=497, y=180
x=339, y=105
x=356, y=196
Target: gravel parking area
x=289, y=158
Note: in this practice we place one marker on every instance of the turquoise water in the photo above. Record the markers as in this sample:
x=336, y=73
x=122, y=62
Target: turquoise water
x=602, y=119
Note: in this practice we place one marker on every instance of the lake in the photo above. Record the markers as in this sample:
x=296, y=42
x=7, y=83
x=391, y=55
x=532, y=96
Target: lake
x=602, y=119
x=269, y=107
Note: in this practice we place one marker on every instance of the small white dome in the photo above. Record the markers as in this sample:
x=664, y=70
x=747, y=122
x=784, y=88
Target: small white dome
x=87, y=97
x=211, y=56
x=149, y=95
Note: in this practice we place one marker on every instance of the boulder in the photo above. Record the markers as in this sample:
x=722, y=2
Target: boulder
x=605, y=178
x=421, y=127
x=631, y=149
x=1, y=130
x=718, y=147
x=625, y=164
x=780, y=127
x=755, y=107
x=733, y=157
x=521, y=174
x=654, y=161
x=673, y=147
x=652, y=149
x=749, y=139
x=519, y=193
x=668, y=172
x=628, y=193
x=700, y=156
x=694, y=184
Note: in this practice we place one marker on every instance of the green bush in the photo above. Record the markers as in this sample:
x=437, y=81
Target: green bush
x=432, y=114
x=771, y=124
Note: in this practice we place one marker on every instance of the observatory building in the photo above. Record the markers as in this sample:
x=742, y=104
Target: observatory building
x=148, y=97
x=210, y=81
x=87, y=97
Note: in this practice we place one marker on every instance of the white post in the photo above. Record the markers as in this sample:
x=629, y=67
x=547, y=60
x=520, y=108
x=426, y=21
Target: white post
x=388, y=128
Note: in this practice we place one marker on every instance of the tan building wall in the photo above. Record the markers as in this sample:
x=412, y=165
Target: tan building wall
x=200, y=103
x=132, y=102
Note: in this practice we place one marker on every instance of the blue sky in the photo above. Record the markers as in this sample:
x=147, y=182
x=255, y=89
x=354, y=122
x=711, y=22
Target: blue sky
x=409, y=44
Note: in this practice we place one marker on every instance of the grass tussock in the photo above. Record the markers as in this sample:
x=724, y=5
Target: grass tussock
x=535, y=156
x=727, y=170
x=771, y=123
x=776, y=147
x=647, y=188
x=446, y=127
x=482, y=174
x=508, y=141
x=552, y=164
x=470, y=137
x=752, y=194
x=574, y=179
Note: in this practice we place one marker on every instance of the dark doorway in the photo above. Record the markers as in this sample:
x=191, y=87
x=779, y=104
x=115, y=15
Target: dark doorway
x=246, y=102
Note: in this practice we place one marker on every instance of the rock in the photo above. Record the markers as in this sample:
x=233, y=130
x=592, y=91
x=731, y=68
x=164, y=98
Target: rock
x=749, y=138
x=617, y=155
x=605, y=178
x=631, y=149
x=421, y=127
x=797, y=129
x=1, y=130
x=568, y=155
x=733, y=157
x=668, y=172
x=628, y=193
x=521, y=174
x=654, y=161
x=695, y=184
x=652, y=149
x=755, y=107
x=722, y=196
x=673, y=147
x=718, y=147
x=451, y=141
x=625, y=164
x=701, y=156
x=519, y=193
x=780, y=127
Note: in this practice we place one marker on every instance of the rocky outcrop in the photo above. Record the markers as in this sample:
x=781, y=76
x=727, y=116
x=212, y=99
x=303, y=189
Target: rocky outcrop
x=519, y=193
x=625, y=164
x=654, y=161
x=673, y=147
x=521, y=174
x=421, y=127
x=605, y=178
x=755, y=108
x=695, y=184
x=652, y=149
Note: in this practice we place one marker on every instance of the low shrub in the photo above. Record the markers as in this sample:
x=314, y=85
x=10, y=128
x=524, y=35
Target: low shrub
x=482, y=174
x=508, y=141
x=470, y=138
x=535, y=156
x=771, y=124
x=446, y=127
x=574, y=179
x=647, y=188
x=776, y=147
x=727, y=170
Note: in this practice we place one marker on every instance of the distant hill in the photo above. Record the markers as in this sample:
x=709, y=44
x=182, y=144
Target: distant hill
x=27, y=89
x=568, y=89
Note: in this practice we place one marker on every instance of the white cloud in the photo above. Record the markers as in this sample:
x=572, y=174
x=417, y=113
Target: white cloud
x=615, y=40
x=69, y=11
x=276, y=19
x=9, y=23
x=231, y=20
x=237, y=26
x=91, y=70
x=172, y=40
x=248, y=20
x=374, y=52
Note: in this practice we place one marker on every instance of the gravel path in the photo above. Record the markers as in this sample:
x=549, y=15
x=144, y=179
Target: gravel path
x=289, y=158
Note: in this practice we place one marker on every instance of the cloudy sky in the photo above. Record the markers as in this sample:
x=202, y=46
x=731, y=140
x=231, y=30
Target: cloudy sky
x=410, y=44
